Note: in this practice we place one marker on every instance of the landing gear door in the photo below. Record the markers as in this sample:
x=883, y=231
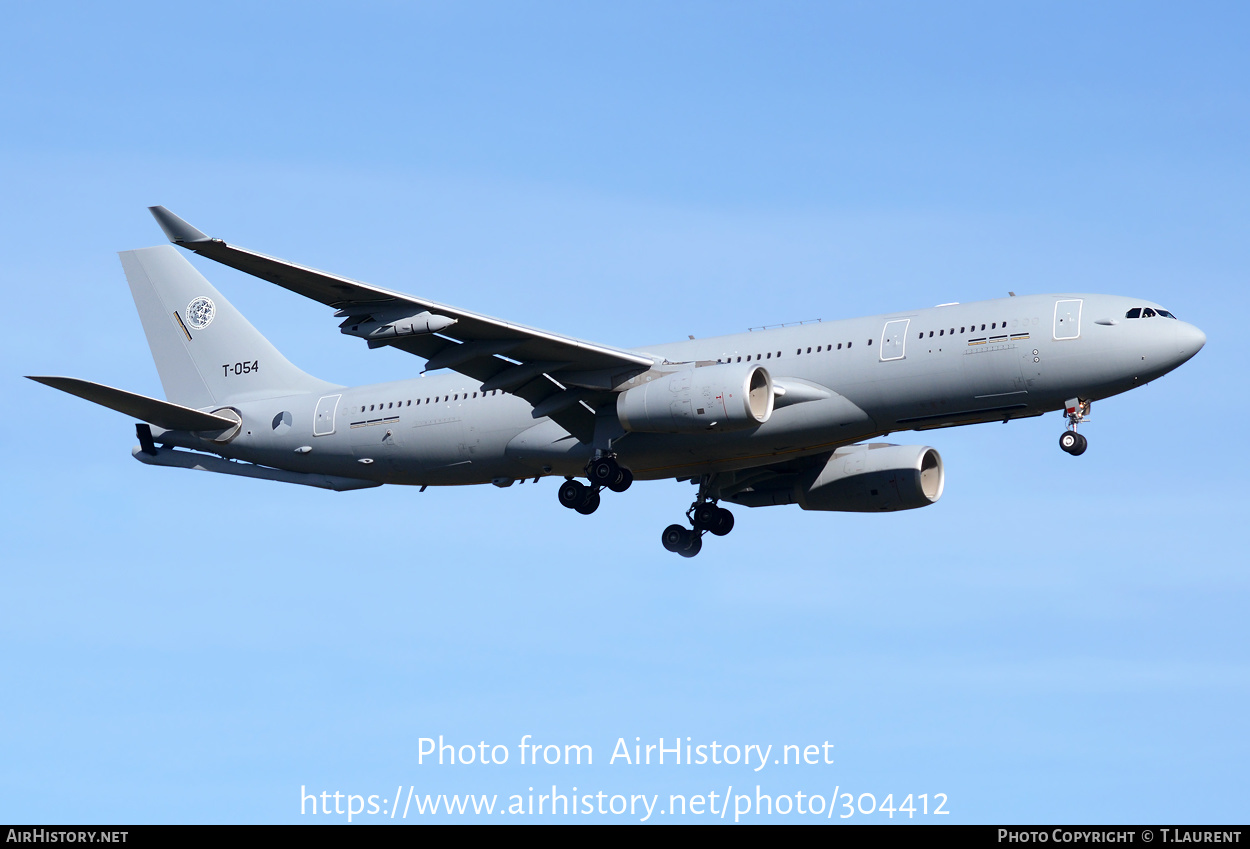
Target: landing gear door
x=894, y=339
x=323, y=420
x=1068, y=319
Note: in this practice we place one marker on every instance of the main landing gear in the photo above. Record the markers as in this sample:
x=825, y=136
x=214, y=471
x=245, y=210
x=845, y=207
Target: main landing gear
x=604, y=472
x=705, y=517
x=1075, y=411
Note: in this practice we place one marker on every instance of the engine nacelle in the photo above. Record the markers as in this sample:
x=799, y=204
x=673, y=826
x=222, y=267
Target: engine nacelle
x=728, y=396
x=875, y=478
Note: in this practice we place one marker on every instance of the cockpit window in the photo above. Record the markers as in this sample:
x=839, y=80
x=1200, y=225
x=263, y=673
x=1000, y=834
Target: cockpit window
x=1135, y=312
x=1147, y=313
x=1167, y=314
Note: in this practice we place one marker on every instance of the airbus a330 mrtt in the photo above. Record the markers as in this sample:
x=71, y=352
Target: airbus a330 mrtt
x=775, y=416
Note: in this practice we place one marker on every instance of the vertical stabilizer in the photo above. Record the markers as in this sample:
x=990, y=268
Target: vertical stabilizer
x=206, y=352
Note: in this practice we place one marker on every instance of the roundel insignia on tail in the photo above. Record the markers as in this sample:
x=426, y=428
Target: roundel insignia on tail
x=200, y=312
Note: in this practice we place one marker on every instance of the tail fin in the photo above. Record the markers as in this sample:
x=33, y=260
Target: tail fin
x=206, y=352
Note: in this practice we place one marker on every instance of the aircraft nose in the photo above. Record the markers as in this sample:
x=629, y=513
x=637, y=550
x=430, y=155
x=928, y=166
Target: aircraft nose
x=1189, y=340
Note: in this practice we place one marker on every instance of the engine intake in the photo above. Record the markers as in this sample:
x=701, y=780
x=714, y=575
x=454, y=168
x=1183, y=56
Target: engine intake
x=728, y=396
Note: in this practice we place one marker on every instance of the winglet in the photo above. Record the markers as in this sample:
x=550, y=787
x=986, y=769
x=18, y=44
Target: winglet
x=178, y=231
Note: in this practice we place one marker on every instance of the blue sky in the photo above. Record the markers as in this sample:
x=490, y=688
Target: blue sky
x=1058, y=639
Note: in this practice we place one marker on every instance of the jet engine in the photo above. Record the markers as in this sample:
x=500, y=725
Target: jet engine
x=873, y=478
x=876, y=479
x=728, y=396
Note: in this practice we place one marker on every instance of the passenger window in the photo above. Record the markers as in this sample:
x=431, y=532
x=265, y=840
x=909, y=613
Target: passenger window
x=941, y=333
x=770, y=355
x=848, y=344
x=809, y=349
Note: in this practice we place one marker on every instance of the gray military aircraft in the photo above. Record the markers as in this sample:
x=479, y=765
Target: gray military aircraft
x=774, y=416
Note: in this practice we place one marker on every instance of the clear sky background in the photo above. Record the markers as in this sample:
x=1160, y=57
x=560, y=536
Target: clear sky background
x=1058, y=639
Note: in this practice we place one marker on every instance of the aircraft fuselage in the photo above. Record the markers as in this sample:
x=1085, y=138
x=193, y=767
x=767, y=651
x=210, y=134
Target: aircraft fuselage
x=937, y=367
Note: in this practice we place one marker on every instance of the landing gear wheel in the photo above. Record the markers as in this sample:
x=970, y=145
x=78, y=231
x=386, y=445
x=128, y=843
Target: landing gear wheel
x=604, y=471
x=622, y=482
x=1073, y=443
x=724, y=522
x=590, y=503
x=572, y=493
x=683, y=541
x=674, y=538
x=704, y=516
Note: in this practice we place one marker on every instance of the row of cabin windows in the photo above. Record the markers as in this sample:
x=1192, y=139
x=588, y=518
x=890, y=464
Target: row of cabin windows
x=971, y=328
x=797, y=351
x=390, y=405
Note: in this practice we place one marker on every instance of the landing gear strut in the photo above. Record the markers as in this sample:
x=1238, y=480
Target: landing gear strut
x=1075, y=411
x=705, y=517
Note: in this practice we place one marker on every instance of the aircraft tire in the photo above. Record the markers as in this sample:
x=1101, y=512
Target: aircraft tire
x=1069, y=440
x=674, y=538
x=590, y=503
x=704, y=516
x=572, y=493
x=604, y=471
x=622, y=482
x=694, y=546
x=724, y=522
x=1081, y=444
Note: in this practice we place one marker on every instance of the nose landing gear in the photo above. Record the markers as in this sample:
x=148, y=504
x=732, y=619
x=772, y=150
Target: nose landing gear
x=1075, y=411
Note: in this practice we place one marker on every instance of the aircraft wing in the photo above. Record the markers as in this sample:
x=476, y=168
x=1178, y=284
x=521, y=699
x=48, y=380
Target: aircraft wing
x=562, y=377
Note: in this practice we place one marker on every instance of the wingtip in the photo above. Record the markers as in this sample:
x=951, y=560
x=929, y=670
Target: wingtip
x=176, y=230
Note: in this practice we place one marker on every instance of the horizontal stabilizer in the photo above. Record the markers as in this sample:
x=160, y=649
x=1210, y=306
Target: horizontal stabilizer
x=160, y=413
x=207, y=463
